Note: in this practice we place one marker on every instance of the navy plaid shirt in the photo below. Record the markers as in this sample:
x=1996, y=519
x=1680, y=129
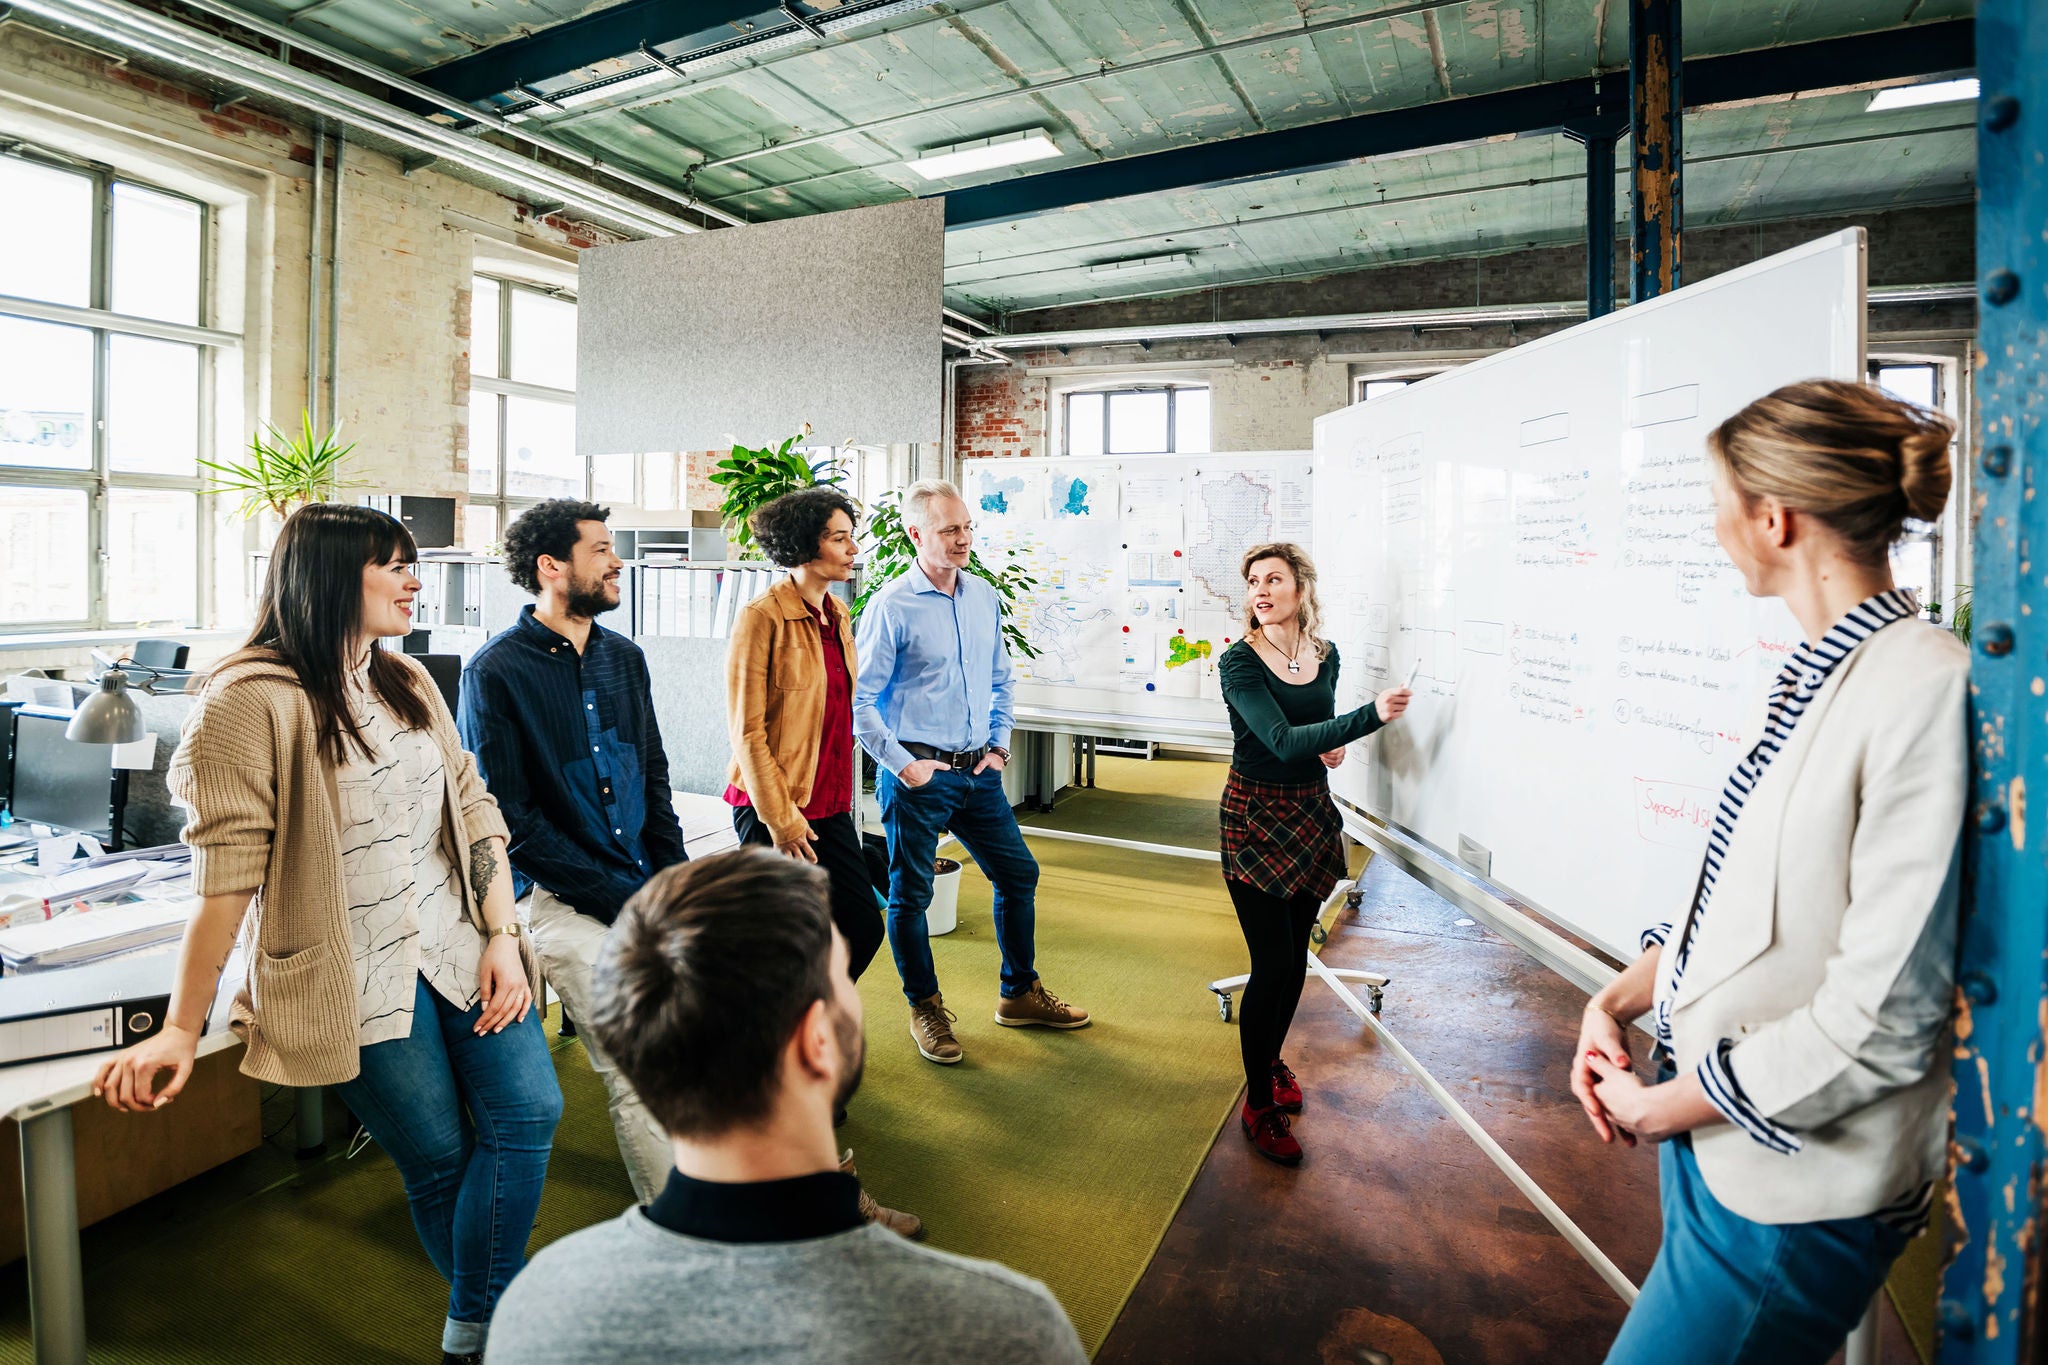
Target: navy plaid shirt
x=568, y=745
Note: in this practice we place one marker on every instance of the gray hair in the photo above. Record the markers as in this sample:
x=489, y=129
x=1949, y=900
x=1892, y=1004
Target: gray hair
x=918, y=498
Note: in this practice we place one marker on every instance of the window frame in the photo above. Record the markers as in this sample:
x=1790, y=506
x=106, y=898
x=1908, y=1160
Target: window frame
x=502, y=386
x=1109, y=395
x=99, y=480
x=1951, y=530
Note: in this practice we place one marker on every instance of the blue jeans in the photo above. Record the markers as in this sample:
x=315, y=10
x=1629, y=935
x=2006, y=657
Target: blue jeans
x=1726, y=1291
x=468, y=1120
x=979, y=815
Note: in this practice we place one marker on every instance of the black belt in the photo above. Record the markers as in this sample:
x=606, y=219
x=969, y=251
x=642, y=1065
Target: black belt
x=960, y=761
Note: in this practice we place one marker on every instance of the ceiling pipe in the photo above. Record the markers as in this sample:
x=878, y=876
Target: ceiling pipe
x=1370, y=322
x=233, y=64
x=427, y=94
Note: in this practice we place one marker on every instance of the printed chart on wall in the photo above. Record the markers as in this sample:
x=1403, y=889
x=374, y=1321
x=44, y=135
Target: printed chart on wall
x=1533, y=537
x=1137, y=567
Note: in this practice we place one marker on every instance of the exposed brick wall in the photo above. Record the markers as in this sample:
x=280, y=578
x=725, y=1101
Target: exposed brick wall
x=999, y=410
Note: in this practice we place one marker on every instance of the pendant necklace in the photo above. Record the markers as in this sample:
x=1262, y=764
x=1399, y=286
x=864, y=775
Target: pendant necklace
x=1294, y=659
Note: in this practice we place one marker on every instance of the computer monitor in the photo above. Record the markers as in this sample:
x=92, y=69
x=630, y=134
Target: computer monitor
x=57, y=782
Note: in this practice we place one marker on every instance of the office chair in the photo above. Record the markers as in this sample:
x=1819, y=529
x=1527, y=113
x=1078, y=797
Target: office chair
x=161, y=653
x=446, y=671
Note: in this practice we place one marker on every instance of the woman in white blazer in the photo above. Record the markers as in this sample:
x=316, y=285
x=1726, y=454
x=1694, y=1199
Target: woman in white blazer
x=1801, y=1000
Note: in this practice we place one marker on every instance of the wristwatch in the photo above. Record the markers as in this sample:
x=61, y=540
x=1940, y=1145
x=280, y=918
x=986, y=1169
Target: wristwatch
x=1000, y=752
x=515, y=929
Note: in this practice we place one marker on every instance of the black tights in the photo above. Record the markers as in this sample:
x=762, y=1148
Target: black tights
x=855, y=907
x=1277, y=933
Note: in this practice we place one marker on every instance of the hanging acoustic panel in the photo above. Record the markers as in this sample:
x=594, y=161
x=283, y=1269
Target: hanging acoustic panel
x=693, y=342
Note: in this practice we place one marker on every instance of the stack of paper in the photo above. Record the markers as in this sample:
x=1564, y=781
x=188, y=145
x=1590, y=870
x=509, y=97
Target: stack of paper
x=89, y=936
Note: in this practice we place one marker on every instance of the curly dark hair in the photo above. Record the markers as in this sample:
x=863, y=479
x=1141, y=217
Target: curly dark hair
x=789, y=528
x=546, y=528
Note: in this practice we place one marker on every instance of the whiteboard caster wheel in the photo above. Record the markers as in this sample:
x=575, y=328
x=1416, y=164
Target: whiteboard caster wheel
x=1223, y=1005
x=1376, y=998
x=1353, y=900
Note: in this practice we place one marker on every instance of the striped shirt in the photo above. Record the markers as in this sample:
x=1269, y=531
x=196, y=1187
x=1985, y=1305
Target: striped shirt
x=1791, y=694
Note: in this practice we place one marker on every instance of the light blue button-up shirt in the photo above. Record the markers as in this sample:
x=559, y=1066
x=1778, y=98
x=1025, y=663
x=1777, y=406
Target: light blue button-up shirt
x=933, y=669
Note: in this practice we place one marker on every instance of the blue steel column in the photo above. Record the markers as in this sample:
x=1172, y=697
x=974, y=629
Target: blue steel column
x=1656, y=108
x=1989, y=1306
x=1597, y=134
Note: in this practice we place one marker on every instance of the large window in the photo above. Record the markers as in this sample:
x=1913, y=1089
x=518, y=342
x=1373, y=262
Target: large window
x=1158, y=420
x=105, y=362
x=1918, y=558
x=522, y=406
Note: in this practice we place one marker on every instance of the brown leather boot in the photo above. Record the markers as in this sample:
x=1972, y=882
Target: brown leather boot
x=1039, y=1008
x=931, y=1025
x=907, y=1225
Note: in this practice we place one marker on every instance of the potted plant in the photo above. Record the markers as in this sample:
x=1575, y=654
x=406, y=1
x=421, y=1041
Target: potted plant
x=890, y=552
x=285, y=473
x=752, y=477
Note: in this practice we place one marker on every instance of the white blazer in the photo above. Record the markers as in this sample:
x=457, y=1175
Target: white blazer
x=1828, y=950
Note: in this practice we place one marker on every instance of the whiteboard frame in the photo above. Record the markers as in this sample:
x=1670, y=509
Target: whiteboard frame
x=1383, y=833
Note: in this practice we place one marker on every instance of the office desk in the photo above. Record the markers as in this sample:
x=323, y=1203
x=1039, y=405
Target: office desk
x=38, y=1096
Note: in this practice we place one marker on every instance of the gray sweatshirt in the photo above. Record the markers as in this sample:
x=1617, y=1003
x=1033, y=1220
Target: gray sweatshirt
x=631, y=1291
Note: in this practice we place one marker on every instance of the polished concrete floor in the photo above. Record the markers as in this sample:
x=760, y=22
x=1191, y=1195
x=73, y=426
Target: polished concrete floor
x=1397, y=1240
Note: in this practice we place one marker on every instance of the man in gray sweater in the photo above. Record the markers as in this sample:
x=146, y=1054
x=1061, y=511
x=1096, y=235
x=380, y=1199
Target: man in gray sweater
x=722, y=994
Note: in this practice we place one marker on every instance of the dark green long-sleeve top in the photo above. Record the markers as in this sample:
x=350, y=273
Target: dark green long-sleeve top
x=1280, y=729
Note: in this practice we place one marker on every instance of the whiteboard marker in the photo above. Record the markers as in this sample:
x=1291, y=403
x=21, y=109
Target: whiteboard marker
x=1413, y=669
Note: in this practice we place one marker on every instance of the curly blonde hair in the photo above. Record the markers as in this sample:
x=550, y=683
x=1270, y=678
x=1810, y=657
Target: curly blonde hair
x=1310, y=615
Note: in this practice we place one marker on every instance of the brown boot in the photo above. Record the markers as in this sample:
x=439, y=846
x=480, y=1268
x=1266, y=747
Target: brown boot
x=1039, y=1008
x=907, y=1225
x=931, y=1025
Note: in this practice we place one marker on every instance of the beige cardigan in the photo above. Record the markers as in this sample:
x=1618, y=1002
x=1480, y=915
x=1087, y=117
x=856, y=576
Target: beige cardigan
x=261, y=815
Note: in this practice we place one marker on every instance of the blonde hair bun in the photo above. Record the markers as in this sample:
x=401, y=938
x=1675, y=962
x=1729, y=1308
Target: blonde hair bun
x=1924, y=474
x=1849, y=455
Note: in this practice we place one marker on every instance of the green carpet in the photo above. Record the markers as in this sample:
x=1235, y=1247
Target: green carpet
x=1061, y=1155
x=1164, y=801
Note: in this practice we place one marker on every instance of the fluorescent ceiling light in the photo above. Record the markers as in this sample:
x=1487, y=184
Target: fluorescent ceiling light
x=1912, y=96
x=984, y=154
x=1143, y=265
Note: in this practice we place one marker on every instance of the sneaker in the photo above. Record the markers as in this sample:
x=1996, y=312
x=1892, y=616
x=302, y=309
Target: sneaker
x=1267, y=1130
x=906, y=1225
x=931, y=1026
x=1286, y=1090
x=1039, y=1008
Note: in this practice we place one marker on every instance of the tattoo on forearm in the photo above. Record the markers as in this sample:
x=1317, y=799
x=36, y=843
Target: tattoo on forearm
x=483, y=868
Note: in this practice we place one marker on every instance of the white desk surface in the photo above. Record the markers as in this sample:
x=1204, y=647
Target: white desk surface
x=35, y=1088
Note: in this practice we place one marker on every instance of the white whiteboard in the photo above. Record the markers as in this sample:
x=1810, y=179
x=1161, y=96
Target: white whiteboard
x=1534, y=532
x=1136, y=559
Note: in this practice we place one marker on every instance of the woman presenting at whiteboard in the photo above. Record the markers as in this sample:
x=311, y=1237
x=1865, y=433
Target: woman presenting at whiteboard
x=1802, y=999
x=1282, y=845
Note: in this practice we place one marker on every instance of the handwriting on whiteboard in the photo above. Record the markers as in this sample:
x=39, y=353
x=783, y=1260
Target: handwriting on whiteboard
x=1673, y=813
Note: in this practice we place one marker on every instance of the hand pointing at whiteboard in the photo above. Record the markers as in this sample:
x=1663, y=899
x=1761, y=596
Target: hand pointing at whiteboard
x=1392, y=702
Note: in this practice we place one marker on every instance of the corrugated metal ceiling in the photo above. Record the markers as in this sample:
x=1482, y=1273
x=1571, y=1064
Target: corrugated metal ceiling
x=1110, y=81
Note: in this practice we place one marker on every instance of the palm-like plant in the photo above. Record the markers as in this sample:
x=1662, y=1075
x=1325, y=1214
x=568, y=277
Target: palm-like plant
x=286, y=472
x=752, y=478
x=891, y=552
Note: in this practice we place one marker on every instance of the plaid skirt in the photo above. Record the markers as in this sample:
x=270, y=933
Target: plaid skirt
x=1285, y=838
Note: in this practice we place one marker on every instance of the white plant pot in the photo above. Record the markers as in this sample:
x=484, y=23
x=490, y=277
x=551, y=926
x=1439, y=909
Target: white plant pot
x=943, y=915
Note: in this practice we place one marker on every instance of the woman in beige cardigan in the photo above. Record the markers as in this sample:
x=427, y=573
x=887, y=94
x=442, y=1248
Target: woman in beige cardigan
x=333, y=809
x=1802, y=997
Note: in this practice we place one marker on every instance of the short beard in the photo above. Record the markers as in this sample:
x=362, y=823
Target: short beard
x=851, y=1044
x=589, y=602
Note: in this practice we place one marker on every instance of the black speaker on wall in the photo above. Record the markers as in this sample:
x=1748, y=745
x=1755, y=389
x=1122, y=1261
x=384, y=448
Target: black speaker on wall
x=431, y=520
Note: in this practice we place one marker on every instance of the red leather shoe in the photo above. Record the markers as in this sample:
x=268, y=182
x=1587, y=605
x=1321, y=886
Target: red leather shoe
x=1286, y=1090
x=1267, y=1130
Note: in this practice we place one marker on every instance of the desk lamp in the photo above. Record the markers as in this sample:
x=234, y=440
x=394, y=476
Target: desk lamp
x=109, y=716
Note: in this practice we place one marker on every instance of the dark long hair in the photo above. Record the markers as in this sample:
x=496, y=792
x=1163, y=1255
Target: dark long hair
x=310, y=614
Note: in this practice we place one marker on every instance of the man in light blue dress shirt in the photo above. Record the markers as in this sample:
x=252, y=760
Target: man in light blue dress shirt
x=933, y=705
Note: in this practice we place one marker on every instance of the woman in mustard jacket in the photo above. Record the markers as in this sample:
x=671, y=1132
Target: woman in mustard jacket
x=789, y=709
